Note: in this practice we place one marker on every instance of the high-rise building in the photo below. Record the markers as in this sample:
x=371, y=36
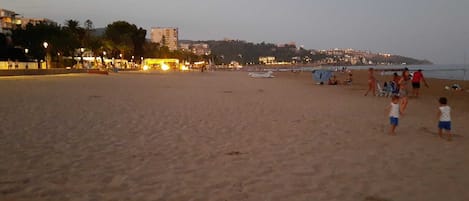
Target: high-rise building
x=166, y=36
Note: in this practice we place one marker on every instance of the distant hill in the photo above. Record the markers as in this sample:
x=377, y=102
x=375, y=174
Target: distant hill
x=247, y=52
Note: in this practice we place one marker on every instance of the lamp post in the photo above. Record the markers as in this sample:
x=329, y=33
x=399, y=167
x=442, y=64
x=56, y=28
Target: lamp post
x=103, y=57
x=120, y=60
x=45, y=44
x=81, y=56
x=26, y=51
x=58, y=59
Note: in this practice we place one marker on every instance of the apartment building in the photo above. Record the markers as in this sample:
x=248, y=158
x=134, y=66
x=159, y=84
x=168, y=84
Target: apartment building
x=166, y=36
x=8, y=20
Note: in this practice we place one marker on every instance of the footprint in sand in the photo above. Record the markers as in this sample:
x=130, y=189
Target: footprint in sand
x=234, y=153
x=434, y=132
x=374, y=198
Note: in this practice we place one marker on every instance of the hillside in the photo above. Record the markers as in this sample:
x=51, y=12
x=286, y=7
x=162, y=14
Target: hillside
x=248, y=53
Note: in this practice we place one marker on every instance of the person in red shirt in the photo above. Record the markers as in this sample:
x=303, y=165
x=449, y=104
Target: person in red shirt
x=416, y=79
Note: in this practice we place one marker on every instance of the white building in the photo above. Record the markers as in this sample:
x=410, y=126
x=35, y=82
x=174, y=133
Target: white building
x=267, y=60
x=166, y=36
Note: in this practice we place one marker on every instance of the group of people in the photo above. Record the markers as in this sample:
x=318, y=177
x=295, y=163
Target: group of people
x=401, y=84
x=400, y=100
x=333, y=79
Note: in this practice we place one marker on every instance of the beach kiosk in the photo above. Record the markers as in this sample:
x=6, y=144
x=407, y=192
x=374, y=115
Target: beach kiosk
x=160, y=64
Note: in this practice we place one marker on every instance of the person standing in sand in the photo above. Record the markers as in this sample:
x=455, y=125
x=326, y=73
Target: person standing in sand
x=416, y=79
x=394, y=111
x=404, y=88
x=396, y=78
x=444, y=116
x=371, y=82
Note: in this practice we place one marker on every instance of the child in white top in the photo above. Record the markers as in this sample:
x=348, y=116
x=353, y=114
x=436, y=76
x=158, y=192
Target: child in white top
x=394, y=112
x=444, y=117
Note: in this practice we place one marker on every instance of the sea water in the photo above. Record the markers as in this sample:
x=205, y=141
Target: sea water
x=440, y=71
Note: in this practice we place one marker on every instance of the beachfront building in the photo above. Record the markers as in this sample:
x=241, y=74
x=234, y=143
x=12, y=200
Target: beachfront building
x=166, y=36
x=35, y=21
x=200, y=49
x=8, y=20
x=196, y=48
x=267, y=60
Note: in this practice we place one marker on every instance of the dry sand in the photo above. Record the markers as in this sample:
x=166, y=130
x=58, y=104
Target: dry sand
x=223, y=136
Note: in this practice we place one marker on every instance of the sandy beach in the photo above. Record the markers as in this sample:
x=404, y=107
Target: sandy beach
x=222, y=136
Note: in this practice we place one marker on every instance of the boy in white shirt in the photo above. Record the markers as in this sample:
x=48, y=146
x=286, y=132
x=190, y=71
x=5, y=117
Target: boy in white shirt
x=394, y=112
x=444, y=116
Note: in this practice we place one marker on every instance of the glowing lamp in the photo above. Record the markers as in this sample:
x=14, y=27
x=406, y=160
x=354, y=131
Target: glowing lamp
x=164, y=67
x=184, y=68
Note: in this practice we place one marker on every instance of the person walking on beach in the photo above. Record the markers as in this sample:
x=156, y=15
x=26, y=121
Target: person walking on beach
x=371, y=82
x=416, y=79
x=444, y=116
x=394, y=111
x=404, y=88
x=396, y=78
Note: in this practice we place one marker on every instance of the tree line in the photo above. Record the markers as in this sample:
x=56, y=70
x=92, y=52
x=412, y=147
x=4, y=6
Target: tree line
x=120, y=38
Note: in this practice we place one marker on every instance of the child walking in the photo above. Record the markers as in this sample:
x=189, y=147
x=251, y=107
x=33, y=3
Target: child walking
x=394, y=112
x=444, y=116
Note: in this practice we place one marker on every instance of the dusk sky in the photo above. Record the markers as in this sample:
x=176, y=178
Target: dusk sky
x=436, y=30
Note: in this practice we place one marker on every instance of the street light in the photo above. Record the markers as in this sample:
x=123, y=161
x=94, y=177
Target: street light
x=26, y=51
x=103, y=57
x=45, y=44
x=58, y=58
x=120, y=60
x=81, y=56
